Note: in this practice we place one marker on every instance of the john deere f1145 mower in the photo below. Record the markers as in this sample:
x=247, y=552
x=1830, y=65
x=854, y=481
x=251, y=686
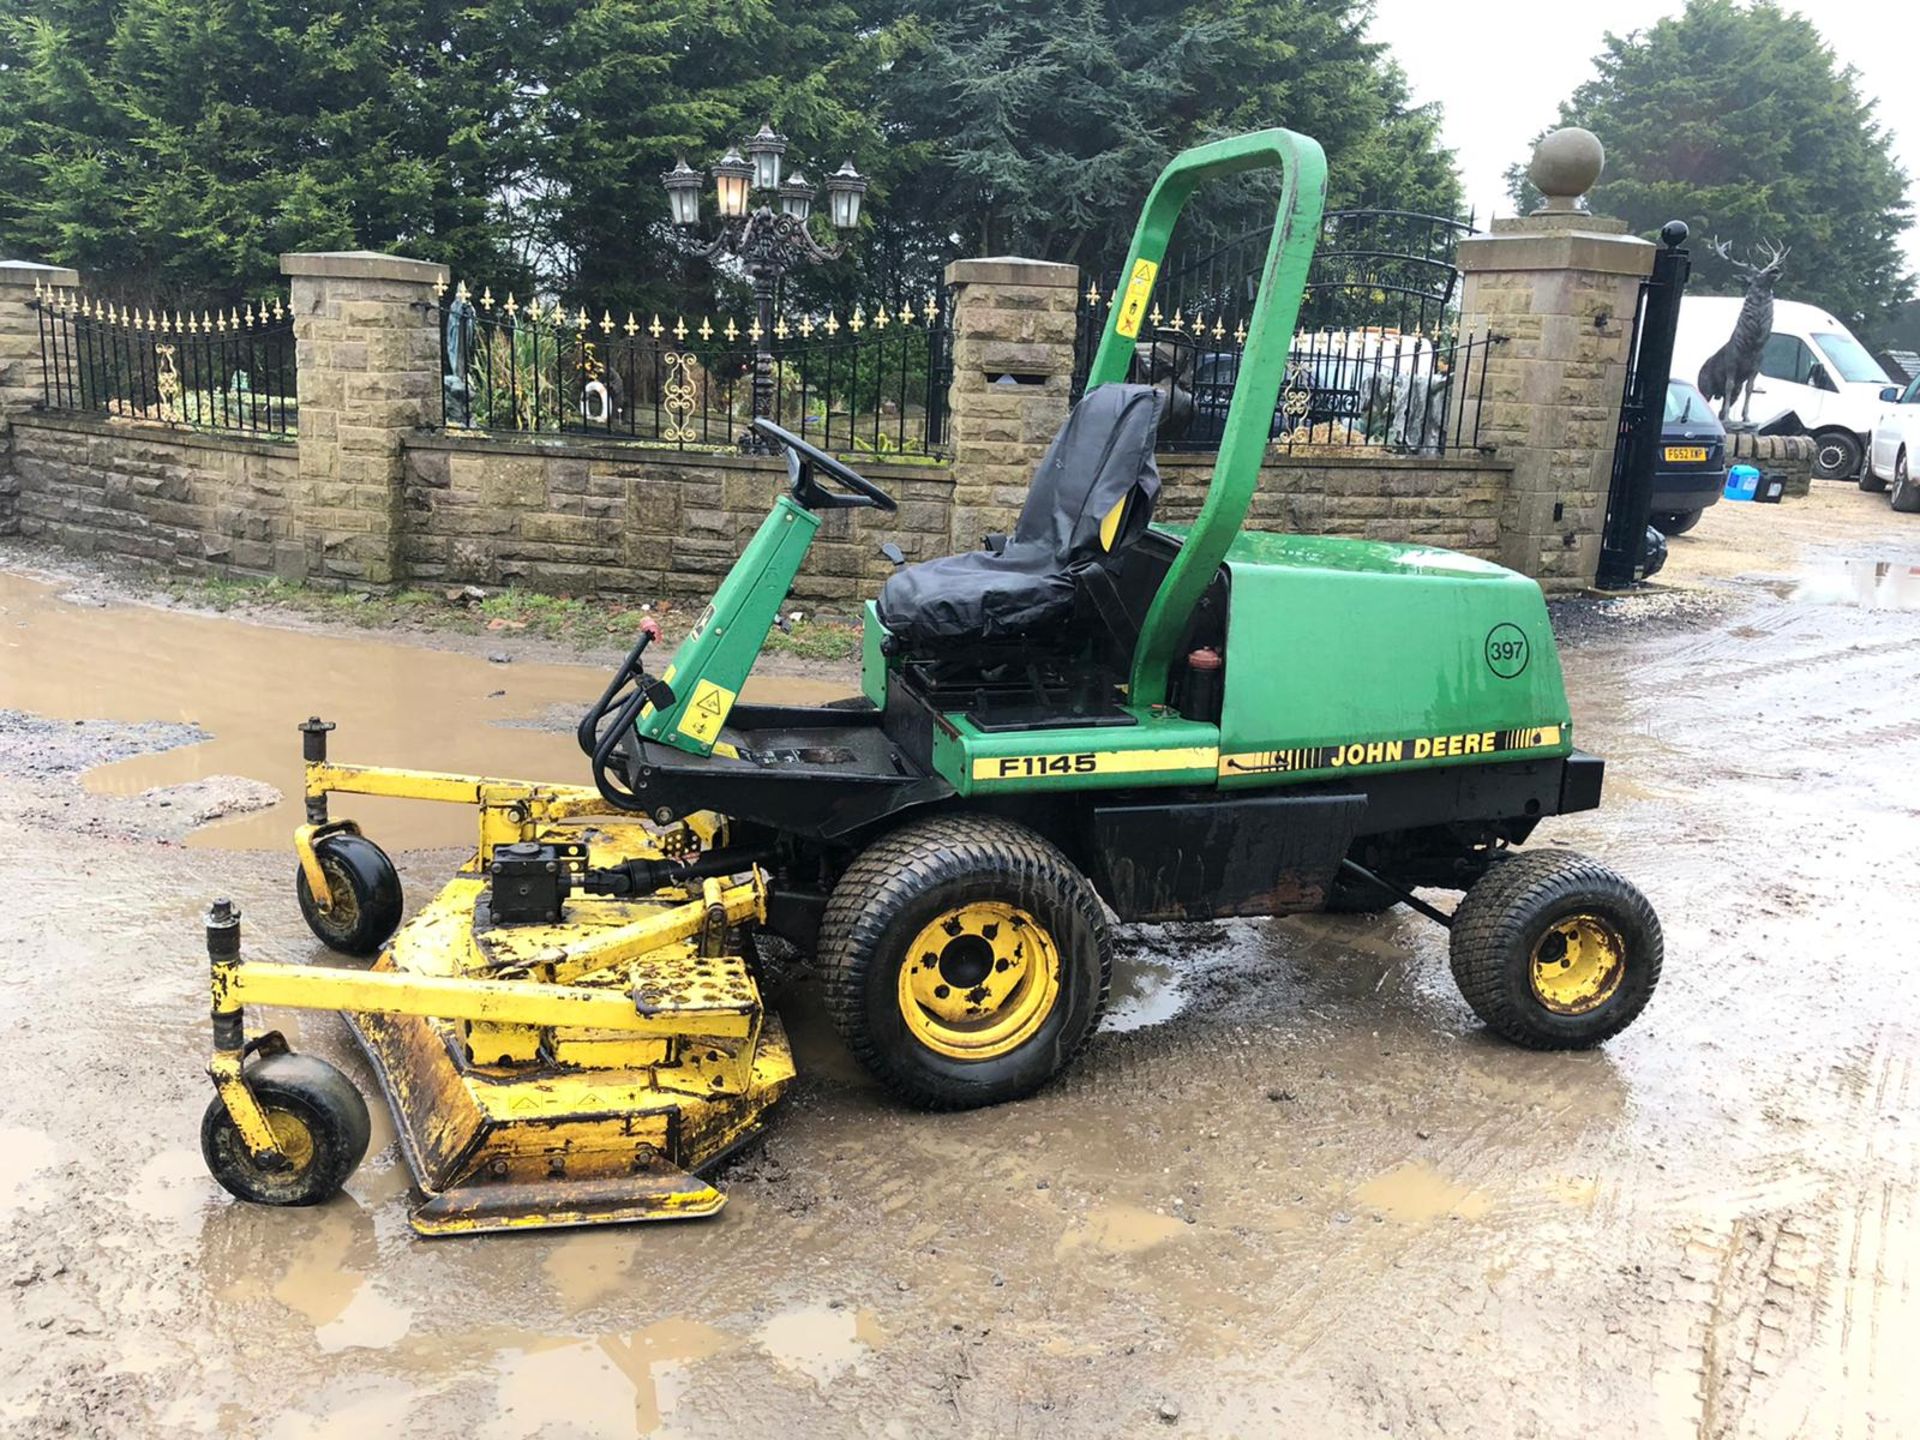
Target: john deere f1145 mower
x=1090, y=719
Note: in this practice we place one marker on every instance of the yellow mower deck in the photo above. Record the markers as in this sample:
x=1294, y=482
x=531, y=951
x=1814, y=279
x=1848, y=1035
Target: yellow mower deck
x=539, y=1075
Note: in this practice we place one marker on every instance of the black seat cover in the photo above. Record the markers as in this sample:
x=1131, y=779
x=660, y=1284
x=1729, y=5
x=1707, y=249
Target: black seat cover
x=1100, y=462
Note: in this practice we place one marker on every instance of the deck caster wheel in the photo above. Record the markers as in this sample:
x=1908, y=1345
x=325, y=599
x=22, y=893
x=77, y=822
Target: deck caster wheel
x=318, y=1119
x=1555, y=951
x=966, y=961
x=366, y=895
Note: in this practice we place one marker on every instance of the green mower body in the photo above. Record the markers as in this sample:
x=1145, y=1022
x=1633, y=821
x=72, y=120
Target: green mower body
x=1229, y=723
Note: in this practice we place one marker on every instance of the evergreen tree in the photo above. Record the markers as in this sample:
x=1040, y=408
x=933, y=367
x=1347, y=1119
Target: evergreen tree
x=1739, y=120
x=1035, y=127
x=177, y=147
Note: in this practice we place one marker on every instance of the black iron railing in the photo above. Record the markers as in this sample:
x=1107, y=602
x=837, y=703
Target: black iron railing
x=230, y=369
x=1350, y=389
x=1377, y=358
x=871, y=382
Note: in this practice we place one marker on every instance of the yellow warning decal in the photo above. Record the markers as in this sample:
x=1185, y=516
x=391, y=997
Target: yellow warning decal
x=1133, y=304
x=706, y=712
x=1093, y=762
x=1359, y=754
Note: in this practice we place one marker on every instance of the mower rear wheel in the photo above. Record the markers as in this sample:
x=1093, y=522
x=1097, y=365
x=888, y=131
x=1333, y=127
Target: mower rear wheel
x=966, y=961
x=1555, y=951
x=366, y=895
x=319, y=1121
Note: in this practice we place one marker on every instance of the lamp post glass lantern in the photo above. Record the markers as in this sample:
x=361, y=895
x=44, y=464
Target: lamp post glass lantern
x=766, y=240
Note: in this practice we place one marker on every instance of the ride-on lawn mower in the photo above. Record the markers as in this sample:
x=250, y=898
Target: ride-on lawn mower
x=1088, y=715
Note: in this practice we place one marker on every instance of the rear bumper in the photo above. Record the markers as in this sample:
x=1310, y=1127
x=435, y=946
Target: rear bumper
x=1675, y=490
x=1581, y=780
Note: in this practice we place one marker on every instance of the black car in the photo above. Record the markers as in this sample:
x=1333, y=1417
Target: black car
x=1690, y=468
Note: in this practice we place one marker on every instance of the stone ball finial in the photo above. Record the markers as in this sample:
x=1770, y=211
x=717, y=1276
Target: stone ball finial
x=1566, y=164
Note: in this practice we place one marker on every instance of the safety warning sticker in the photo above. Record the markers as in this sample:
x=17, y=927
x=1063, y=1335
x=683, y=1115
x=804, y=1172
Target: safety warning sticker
x=1133, y=304
x=706, y=712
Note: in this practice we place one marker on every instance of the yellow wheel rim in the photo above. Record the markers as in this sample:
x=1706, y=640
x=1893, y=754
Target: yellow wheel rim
x=290, y=1133
x=979, y=981
x=1578, y=964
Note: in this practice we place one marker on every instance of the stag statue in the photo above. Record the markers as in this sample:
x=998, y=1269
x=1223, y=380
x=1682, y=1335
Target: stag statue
x=1731, y=370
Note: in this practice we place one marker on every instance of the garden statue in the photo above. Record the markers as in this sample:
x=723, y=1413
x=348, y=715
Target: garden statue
x=458, y=350
x=1731, y=370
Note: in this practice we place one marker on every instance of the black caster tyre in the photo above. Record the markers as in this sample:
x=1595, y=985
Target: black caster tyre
x=1555, y=951
x=965, y=961
x=1676, y=522
x=319, y=1120
x=1906, y=494
x=366, y=895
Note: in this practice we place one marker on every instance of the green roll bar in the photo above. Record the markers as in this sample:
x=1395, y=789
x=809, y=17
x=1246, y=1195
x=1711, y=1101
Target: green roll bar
x=1263, y=363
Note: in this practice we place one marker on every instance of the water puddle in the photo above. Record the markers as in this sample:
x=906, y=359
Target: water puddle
x=24, y=1155
x=588, y=1265
x=172, y=1187
x=344, y=1307
x=612, y=1388
x=820, y=1342
x=1145, y=992
x=1869, y=584
x=1118, y=1229
x=1416, y=1194
x=350, y=1410
x=248, y=685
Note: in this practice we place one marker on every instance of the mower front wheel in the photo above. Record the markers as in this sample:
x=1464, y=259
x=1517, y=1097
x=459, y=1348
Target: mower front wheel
x=966, y=961
x=1555, y=951
x=366, y=895
x=318, y=1119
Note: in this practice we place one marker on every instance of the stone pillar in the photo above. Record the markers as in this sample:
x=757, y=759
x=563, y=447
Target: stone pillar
x=22, y=385
x=1013, y=332
x=369, y=373
x=1562, y=287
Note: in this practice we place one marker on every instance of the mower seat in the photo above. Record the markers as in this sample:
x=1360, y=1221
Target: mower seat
x=1091, y=498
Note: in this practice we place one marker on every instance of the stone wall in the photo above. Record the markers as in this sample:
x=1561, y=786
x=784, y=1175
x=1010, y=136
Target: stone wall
x=175, y=499
x=1451, y=502
x=578, y=517
x=372, y=494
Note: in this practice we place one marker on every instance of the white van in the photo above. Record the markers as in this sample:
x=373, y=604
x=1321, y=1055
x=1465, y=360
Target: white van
x=1812, y=367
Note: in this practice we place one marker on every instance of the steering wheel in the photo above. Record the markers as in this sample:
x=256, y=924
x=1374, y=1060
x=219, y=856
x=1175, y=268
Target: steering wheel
x=801, y=460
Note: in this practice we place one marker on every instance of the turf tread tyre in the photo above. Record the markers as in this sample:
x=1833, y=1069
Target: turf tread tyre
x=1906, y=495
x=368, y=874
x=1498, y=920
x=882, y=897
x=325, y=1101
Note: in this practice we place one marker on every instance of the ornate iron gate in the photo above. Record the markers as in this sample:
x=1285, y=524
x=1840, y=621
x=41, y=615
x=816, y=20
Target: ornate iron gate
x=1642, y=412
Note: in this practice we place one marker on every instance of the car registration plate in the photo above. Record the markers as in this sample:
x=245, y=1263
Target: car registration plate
x=1680, y=454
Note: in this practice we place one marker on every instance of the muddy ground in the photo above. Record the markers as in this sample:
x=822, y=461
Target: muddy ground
x=1292, y=1189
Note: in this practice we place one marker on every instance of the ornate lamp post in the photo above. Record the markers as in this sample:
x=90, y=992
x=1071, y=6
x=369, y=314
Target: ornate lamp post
x=766, y=240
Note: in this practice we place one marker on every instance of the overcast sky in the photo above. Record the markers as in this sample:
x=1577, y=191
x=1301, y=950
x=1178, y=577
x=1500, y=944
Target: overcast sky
x=1500, y=69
